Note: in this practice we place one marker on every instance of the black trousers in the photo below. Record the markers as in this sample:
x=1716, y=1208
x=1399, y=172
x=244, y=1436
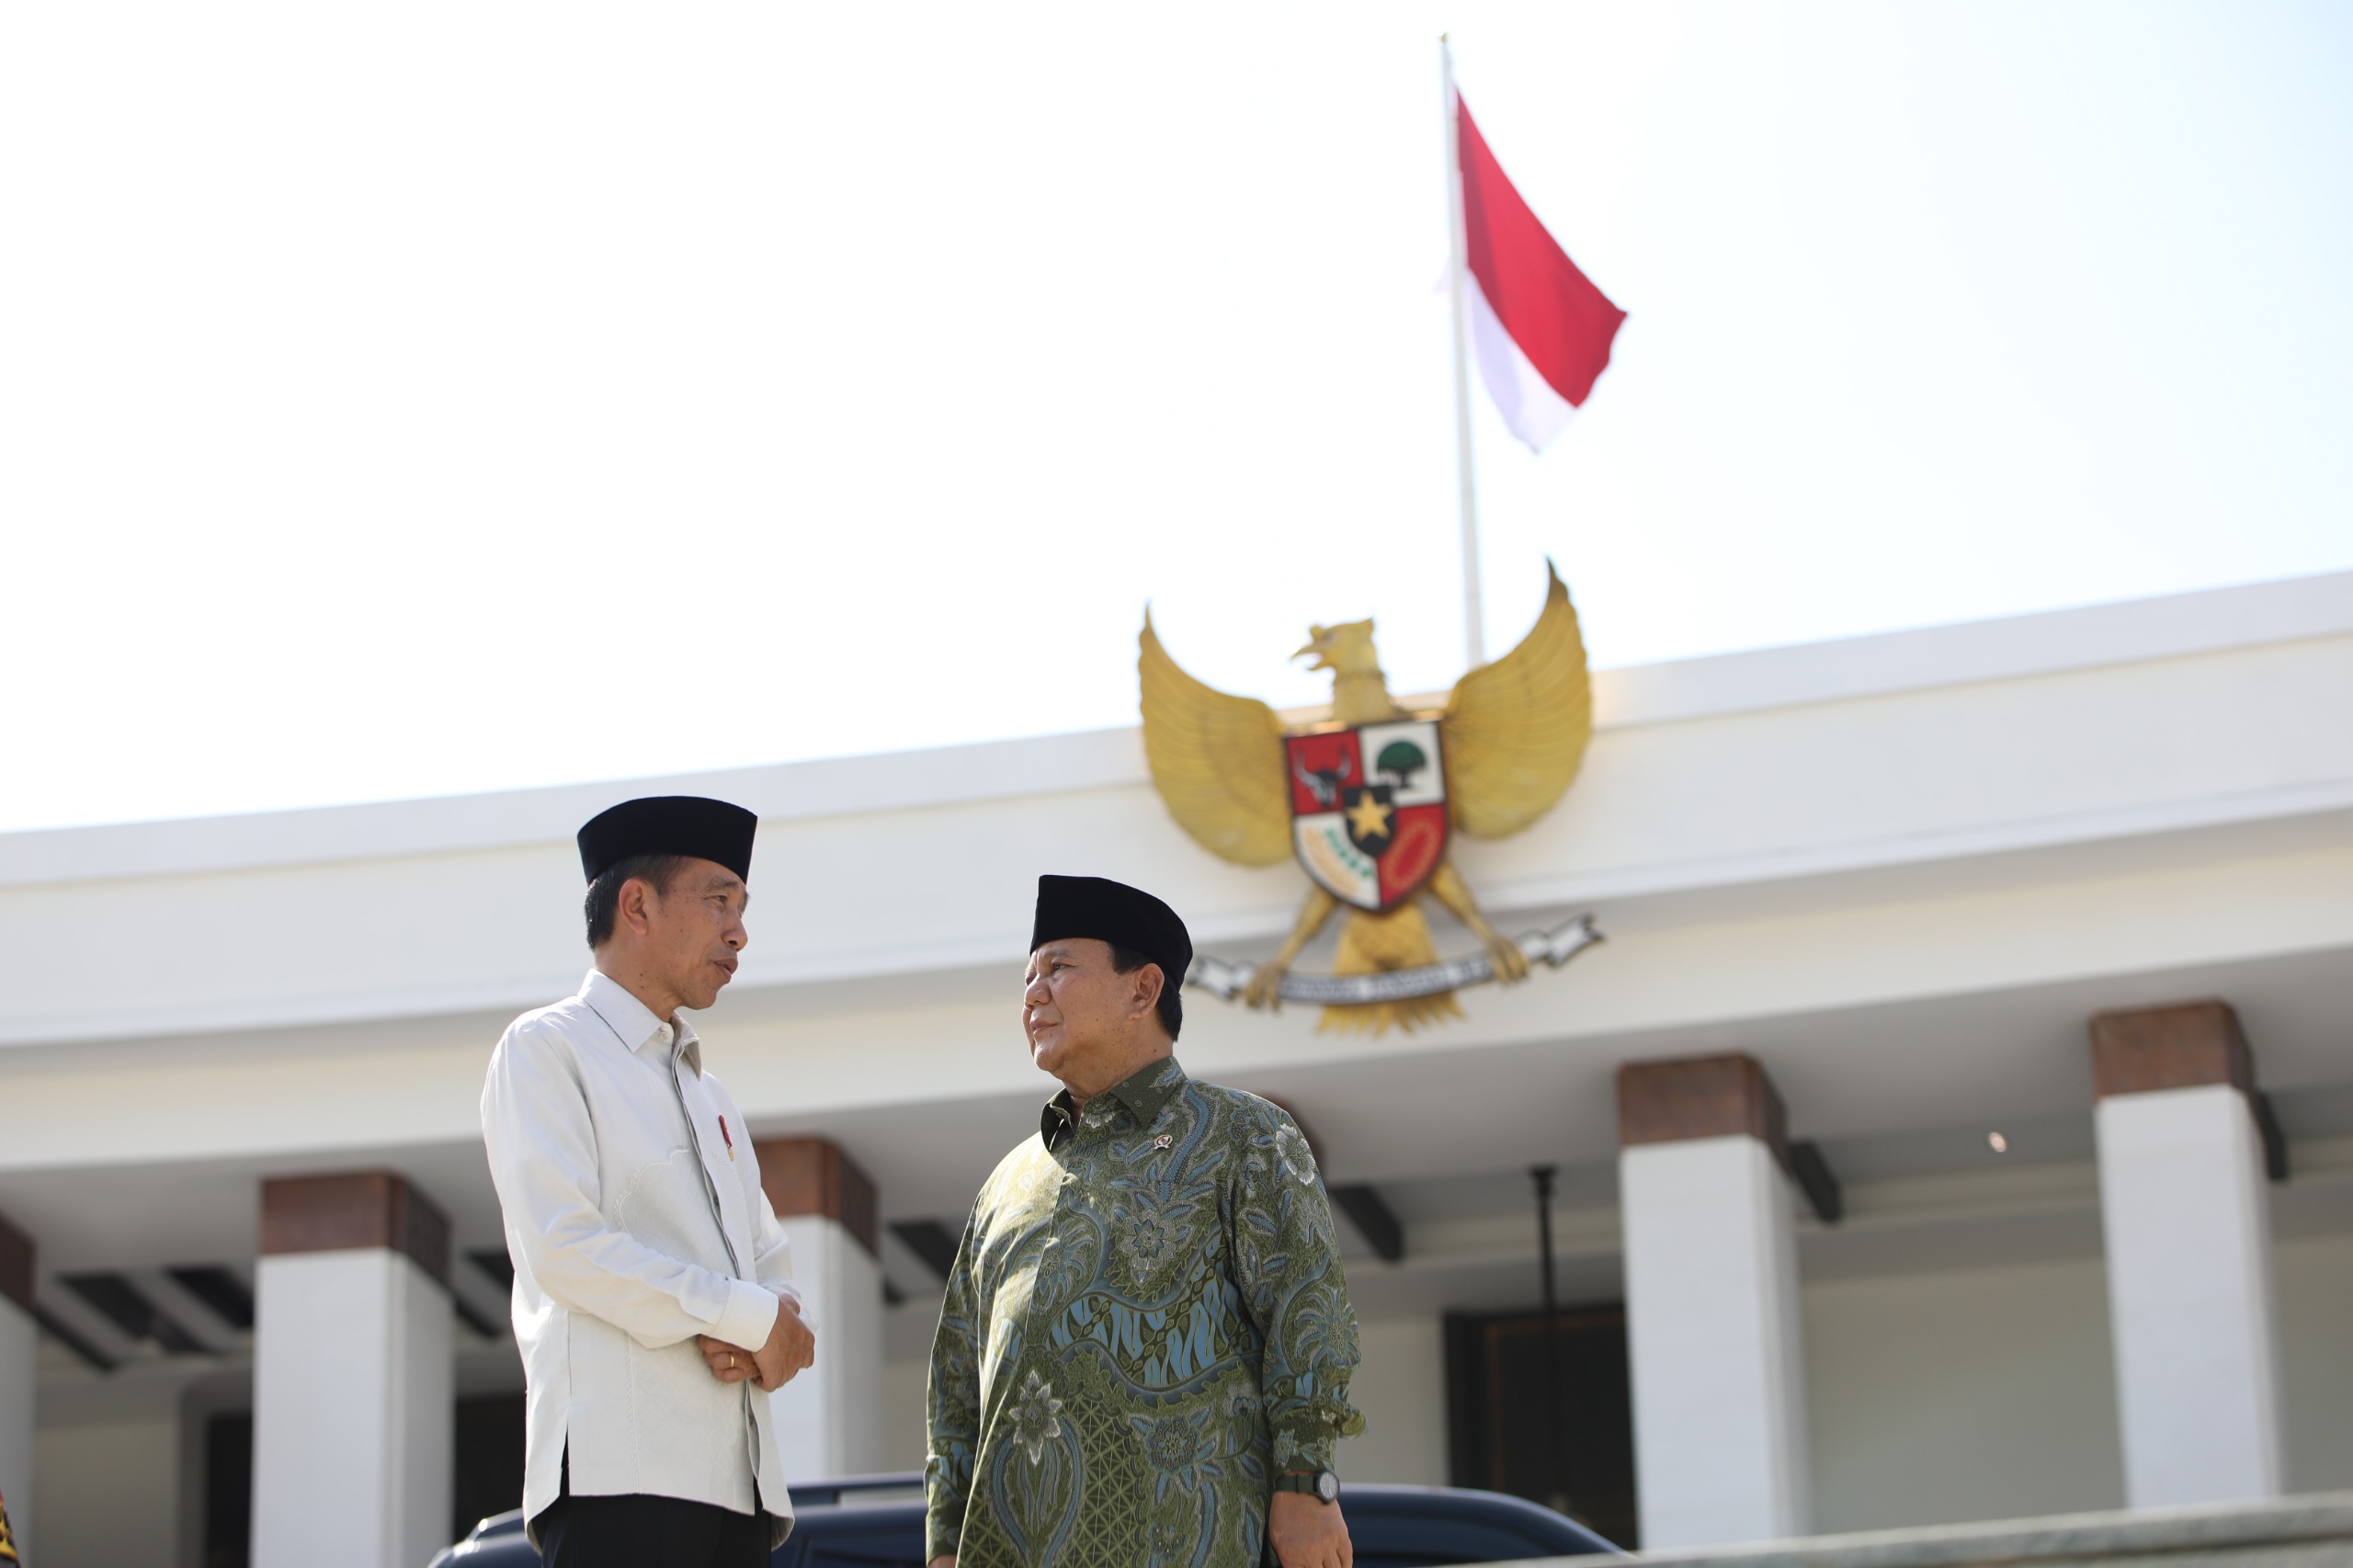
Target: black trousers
x=638, y=1531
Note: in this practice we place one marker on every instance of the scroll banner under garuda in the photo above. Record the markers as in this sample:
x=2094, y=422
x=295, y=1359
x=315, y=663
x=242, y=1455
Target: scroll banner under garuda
x=1368, y=800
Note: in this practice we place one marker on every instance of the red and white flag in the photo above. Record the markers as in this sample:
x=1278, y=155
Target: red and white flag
x=1541, y=329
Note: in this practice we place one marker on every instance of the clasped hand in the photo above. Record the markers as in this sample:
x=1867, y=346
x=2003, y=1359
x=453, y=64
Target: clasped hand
x=791, y=1347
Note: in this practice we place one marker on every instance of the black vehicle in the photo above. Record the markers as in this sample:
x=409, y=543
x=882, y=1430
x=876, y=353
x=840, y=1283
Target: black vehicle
x=876, y=1521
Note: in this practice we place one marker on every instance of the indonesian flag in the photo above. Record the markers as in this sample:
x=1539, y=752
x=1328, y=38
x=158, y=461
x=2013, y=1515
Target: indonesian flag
x=1542, y=330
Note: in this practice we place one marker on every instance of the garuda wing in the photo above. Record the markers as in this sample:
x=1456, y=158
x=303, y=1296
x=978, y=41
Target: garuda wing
x=1516, y=729
x=1218, y=761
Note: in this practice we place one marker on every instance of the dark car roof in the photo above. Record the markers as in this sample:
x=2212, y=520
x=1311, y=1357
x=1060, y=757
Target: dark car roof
x=1396, y=1527
x=877, y=1519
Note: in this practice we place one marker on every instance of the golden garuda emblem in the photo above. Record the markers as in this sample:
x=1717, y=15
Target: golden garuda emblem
x=1368, y=800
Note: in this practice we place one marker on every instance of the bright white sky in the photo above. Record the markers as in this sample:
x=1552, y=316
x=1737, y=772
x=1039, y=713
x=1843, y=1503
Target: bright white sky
x=412, y=399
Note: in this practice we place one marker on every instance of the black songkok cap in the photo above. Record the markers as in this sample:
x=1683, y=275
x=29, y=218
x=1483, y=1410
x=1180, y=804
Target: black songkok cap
x=669, y=824
x=1114, y=912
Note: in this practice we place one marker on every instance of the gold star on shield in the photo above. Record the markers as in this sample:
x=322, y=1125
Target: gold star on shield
x=1369, y=817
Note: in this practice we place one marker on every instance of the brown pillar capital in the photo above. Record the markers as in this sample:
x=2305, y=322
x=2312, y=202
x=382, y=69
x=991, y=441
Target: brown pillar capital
x=2181, y=1047
x=354, y=1208
x=15, y=1264
x=811, y=1175
x=1700, y=1096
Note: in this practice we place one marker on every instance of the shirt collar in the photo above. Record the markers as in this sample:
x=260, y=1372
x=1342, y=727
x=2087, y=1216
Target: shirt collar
x=634, y=1022
x=1142, y=1092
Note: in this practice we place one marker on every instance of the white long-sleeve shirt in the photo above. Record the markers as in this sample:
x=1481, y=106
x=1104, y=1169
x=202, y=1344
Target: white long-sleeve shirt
x=635, y=1220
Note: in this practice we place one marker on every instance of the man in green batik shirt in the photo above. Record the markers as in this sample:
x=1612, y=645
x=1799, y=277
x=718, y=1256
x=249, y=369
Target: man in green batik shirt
x=1144, y=1353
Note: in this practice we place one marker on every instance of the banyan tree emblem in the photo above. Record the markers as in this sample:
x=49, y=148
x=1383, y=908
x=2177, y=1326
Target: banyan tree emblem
x=1367, y=801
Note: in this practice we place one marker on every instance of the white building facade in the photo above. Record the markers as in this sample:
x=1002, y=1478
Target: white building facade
x=1959, y=1111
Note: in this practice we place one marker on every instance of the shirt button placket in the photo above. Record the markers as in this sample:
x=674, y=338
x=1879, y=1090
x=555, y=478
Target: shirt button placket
x=1038, y=1318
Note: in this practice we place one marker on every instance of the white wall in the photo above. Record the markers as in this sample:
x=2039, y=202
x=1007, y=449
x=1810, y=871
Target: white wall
x=1991, y=1394
x=2314, y=1286
x=107, y=1496
x=1400, y=1387
x=905, y=1385
x=1942, y=1397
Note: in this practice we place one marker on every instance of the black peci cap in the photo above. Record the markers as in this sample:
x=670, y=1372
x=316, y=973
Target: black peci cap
x=669, y=824
x=1114, y=912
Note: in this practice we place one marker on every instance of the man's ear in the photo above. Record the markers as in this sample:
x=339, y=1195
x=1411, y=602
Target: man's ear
x=1149, y=979
x=632, y=906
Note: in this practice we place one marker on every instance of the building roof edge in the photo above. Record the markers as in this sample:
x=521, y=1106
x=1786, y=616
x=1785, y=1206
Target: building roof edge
x=1882, y=664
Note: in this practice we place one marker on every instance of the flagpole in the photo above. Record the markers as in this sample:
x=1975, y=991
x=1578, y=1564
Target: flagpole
x=1475, y=641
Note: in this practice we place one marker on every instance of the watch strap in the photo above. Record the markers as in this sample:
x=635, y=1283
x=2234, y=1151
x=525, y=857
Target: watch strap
x=1322, y=1485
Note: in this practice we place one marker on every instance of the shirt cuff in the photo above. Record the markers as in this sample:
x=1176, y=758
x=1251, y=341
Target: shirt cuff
x=1302, y=1450
x=1306, y=1440
x=746, y=1316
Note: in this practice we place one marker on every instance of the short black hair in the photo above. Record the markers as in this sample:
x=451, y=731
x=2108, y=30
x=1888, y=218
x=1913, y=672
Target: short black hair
x=1127, y=961
x=604, y=898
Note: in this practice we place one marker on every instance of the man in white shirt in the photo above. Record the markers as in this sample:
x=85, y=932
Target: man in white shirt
x=652, y=1293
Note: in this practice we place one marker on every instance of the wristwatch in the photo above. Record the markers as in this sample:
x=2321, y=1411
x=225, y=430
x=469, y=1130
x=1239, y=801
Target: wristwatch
x=1322, y=1485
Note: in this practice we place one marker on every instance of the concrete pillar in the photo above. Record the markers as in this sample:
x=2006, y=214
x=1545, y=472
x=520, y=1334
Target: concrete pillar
x=1713, y=1337
x=352, y=1391
x=829, y=1419
x=18, y=1341
x=2186, y=1210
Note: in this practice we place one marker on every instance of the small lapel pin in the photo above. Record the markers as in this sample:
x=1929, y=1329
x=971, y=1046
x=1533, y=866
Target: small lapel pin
x=1163, y=1140
x=727, y=1137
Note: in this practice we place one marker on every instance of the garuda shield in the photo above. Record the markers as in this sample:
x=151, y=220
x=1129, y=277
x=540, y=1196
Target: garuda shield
x=1368, y=808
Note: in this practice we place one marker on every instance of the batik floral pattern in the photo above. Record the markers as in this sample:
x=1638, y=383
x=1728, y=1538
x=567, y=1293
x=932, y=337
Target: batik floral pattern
x=1034, y=1415
x=1150, y=1237
x=1144, y=1323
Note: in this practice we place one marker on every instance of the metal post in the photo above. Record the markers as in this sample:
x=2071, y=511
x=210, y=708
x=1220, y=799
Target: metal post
x=1474, y=640
x=1557, y=1455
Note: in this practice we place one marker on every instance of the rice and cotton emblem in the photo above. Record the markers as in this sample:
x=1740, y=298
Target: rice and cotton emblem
x=1036, y=1416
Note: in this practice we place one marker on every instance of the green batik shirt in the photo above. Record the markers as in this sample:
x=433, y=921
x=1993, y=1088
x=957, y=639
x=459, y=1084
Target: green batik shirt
x=1146, y=1324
